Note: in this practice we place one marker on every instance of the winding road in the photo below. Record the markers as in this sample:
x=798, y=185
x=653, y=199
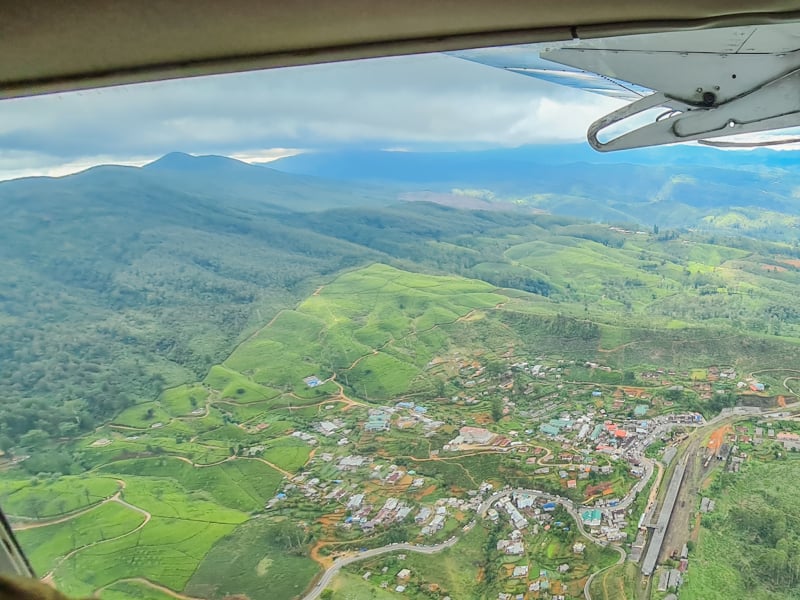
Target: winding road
x=333, y=571
x=586, y=593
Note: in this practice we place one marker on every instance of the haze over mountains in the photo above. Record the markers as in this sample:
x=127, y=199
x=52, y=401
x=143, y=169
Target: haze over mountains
x=675, y=186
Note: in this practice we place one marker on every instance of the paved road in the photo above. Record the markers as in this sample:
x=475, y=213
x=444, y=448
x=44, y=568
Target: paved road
x=568, y=504
x=586, y=593
x=328, y=576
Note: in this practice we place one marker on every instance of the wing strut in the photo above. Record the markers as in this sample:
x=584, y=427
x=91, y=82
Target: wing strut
x=773, y=105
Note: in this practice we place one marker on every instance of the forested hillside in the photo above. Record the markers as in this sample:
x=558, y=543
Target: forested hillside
x=119, y=282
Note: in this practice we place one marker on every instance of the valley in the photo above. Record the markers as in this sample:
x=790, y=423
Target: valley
x=385, y=408
x=246, y=400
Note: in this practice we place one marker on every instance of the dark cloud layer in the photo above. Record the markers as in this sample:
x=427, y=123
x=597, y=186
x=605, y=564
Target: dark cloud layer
x=411, y=102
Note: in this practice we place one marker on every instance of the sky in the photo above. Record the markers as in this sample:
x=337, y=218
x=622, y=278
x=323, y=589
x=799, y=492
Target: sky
x=422, y=102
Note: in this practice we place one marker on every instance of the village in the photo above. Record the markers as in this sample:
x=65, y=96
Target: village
x=554, y=468
x=582, y=449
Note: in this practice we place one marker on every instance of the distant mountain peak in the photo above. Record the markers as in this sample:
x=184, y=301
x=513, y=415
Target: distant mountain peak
x=181, y=161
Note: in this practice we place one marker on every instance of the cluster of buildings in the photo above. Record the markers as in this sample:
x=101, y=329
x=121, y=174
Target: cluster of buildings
x=538, y=371
x=328, y=428
x=436, y=523
x=393, y=510
x=377, y=420
x=535, y=584
x=584, y=435
x=409, y=413
x=430, y=519
x=788, y=439
x=352, y=462
x=471, y=436
x=513, y=546
x=537, y=508
x=516, y=518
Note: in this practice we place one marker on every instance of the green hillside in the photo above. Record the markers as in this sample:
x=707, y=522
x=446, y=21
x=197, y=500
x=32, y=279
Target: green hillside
x=361, y=323
x=189, y=481
x=191, y=349
x=121, y=282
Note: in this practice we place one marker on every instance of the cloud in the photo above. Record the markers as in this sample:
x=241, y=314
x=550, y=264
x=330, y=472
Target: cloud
x=427, y=101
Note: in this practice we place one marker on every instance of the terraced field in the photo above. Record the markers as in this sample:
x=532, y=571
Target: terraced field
x=173, y=495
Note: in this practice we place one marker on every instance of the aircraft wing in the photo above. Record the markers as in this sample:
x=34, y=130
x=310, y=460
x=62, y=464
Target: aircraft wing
x=527, y=60
x=710, y=84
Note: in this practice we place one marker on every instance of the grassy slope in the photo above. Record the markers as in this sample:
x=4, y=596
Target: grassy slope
x=52, y=498
x=50, y=543
x=185, y=524
x=242, y=485
x=732, y=558
x=166, y=551
x=251, y=561
x=350, y=327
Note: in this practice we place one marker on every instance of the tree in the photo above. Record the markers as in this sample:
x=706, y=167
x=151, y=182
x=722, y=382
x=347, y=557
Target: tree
x=36, y=504
x=495, y=367
x=6, y=443
x=290, y=537
x=35, y=438
x=497, y=409
x=68, y=429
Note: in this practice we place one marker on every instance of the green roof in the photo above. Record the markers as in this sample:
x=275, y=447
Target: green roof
x=591, y=515
x=549, y=429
